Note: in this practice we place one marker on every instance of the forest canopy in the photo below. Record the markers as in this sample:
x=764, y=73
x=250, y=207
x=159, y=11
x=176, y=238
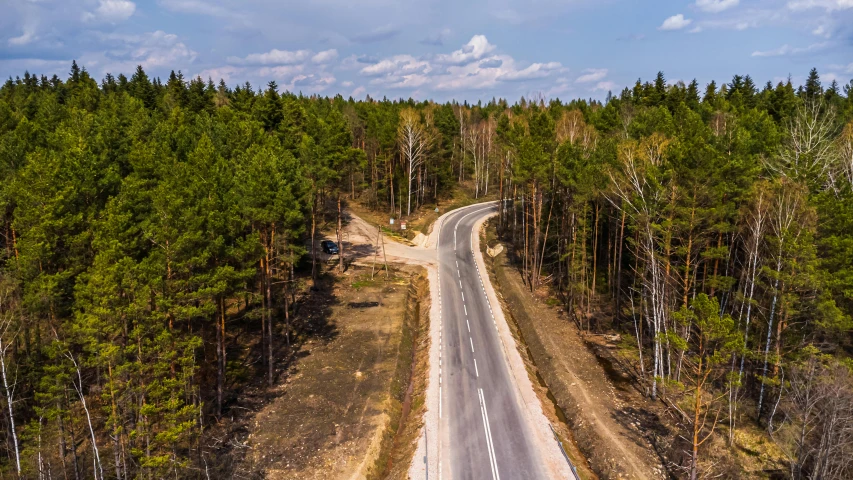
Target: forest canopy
x=714, y=223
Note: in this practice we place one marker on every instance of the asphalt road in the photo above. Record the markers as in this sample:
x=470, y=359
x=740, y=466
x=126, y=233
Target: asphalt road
x=480, y=409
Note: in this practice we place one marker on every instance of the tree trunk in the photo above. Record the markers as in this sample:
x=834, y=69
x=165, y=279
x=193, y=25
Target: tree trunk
x=340, y=237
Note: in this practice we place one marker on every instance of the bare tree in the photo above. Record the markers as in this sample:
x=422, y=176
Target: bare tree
x=788, y=220
x=808, y=148
x=816, y=430
x=414, y=140
x=637, y=192
x=757, y=217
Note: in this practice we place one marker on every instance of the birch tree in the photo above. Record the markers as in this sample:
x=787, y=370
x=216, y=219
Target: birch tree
x=6, y=341
x=413, y=140
x=808, y=148
x=637, y=189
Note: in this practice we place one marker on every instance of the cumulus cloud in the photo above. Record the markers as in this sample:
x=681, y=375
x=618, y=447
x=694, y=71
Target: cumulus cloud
x=26, y=37
x=471, y=67
x=536, y=70
x=151, y=50
x=476, y=48
x=788, y=50
x=675, y=22
x=397, y=65
x=273, y=57
x=313, y=82
x=591, y=75
x=716, y=6
x=111, y=11
x=325, y=56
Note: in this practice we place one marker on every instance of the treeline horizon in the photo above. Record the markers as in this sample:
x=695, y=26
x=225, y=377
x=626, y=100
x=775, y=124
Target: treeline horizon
x=157, y=239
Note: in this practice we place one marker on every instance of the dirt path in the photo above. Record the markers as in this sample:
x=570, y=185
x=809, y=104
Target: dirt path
x=360, y=243
x=607, y=429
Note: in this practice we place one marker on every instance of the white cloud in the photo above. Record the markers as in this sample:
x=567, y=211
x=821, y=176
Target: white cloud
x=346, y=84
x=325, y=56
x=822, y=31
x=161, y=49
x=111, y=11
x=151, y=50
x=281, y=72
x=716, y=6
x=28, y=36
x=675, y=22
x=397, y=65
x=536, y=70
x=828, y=5
x=227, y=73
x=470, y=68
x=359, y=91
x=273, y=57
x=788, y=50
x=476, y=48
x=604, y=87
x=313, y=82
x=592, y=75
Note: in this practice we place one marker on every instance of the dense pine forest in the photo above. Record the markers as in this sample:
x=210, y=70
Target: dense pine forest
x=144, y=221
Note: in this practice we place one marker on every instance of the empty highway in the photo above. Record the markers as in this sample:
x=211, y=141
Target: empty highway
x=484, y=428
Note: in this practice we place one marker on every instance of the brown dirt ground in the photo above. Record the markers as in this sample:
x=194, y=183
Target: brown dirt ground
x=329, y=418
x=612, y=424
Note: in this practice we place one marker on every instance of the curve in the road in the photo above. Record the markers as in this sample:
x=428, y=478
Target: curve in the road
x=482, y=421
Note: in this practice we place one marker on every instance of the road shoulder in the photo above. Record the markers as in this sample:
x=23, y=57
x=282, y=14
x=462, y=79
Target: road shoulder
x=607, y=419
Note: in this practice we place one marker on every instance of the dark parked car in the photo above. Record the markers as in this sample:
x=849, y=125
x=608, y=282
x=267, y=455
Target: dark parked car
x=330, y=247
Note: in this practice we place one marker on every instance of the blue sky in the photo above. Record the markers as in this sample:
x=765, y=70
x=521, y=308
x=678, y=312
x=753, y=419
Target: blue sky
x=439, y=49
